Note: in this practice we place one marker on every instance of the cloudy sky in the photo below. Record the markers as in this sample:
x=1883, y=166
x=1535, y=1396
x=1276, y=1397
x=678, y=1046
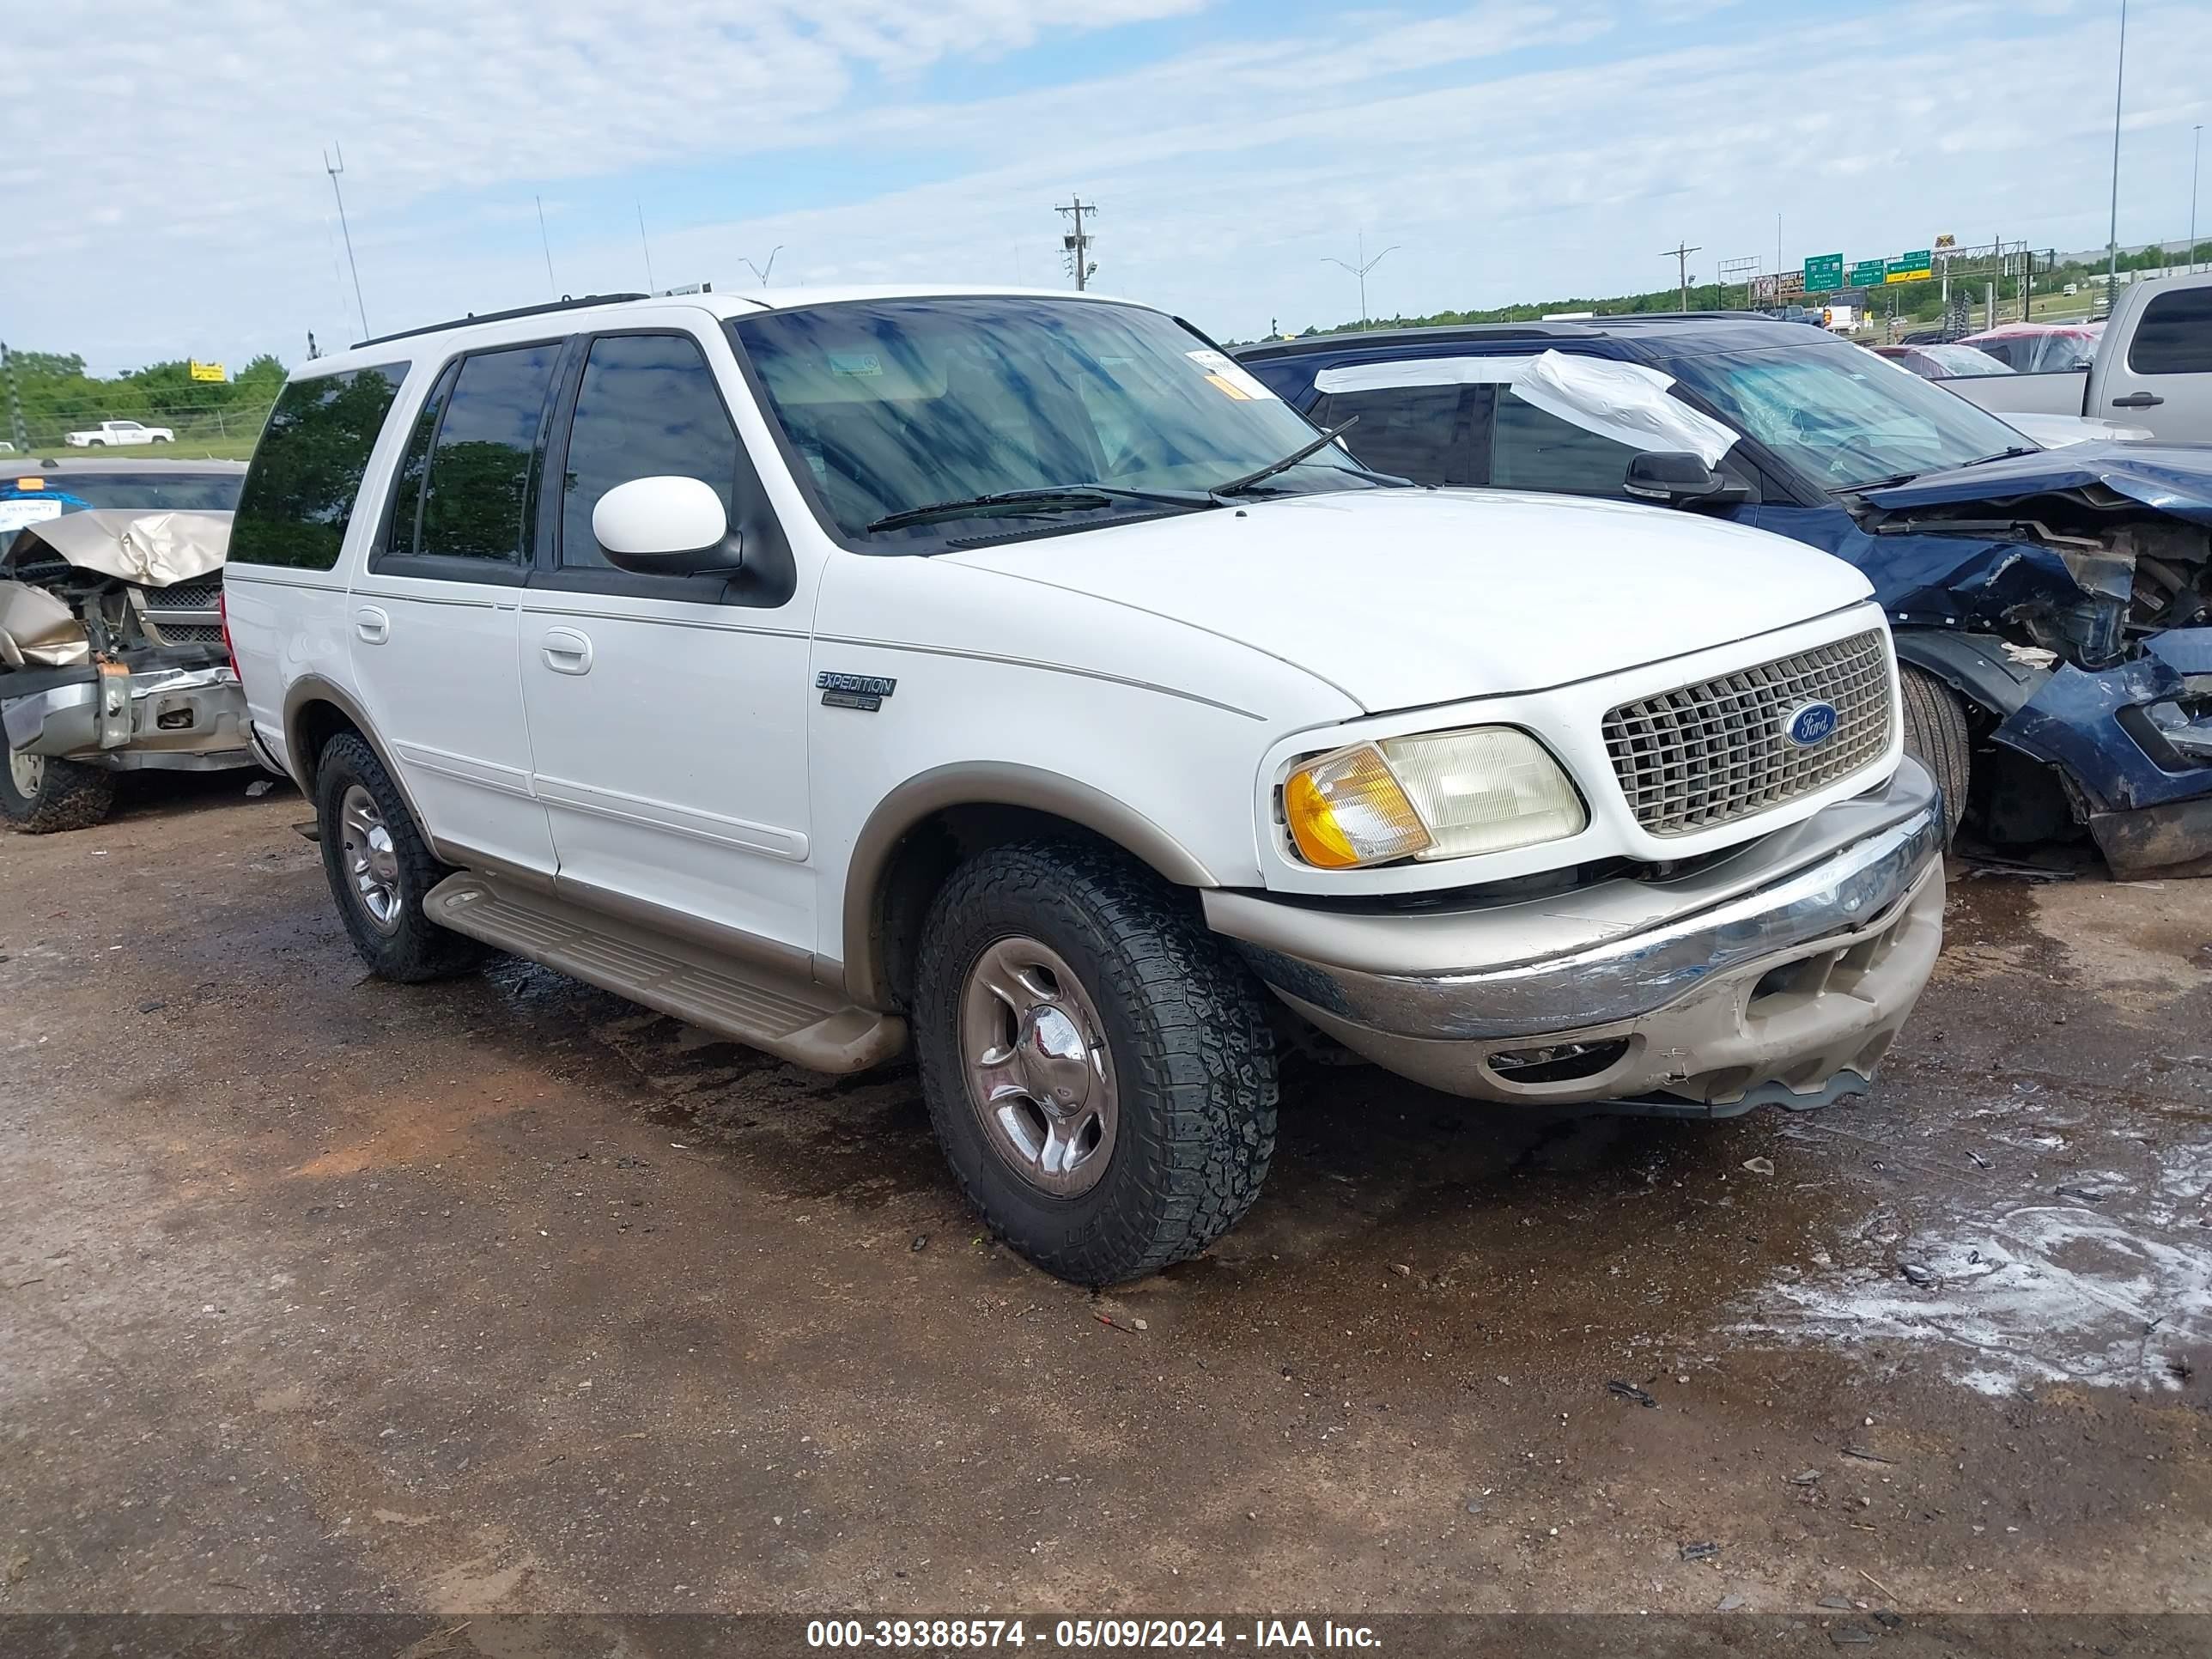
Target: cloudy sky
x=1512, y=150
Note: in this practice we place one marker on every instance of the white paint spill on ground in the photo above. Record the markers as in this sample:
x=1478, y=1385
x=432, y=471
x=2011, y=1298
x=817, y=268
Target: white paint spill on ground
x=2011, y=1281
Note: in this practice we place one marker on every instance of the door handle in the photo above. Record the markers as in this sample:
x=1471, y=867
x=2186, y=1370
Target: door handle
x=371, y=626
x=567, y=651
x=2137, y=400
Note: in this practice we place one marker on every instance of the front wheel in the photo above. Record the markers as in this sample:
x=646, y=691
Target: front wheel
x=1098, y=1067
x=41, y=795
x=1936, y=735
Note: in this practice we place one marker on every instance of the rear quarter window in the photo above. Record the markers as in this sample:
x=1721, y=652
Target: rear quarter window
x=2175, y=334
x=308, y=467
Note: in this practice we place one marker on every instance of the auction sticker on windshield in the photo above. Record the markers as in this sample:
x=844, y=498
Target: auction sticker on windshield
x=1229, y=377
x=20, y=510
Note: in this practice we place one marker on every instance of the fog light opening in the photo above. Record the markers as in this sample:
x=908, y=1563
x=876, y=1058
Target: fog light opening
x=1559, y=1062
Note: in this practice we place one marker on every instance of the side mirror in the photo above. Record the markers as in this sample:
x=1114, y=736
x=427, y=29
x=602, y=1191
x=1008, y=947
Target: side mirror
x=664, y=527
x=1678, y=478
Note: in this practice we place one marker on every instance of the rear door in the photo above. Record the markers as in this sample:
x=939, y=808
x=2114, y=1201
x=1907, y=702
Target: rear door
x=668, y=713
x=2162, y=378
x=435, y=611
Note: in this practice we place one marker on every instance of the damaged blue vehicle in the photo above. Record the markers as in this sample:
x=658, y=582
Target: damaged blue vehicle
x=2052, y=606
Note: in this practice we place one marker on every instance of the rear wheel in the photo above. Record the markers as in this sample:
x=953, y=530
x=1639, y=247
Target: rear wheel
x=1936, y=735
x=380, y=868
x=1098, y=1067
x=41, y=795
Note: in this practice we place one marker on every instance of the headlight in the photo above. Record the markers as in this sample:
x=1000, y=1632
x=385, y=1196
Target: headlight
x=1436, y=795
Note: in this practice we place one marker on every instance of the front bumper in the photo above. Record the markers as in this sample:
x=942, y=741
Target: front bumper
x=170, y=719
x=1781, y=972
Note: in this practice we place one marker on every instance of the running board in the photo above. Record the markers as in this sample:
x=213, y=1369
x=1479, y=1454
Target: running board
x=792, y=1019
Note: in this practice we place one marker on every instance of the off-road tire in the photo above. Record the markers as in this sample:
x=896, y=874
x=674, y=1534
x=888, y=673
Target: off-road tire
x=1192, y=1056
x=1936, y=735
x=70, y=795
x=417, y=949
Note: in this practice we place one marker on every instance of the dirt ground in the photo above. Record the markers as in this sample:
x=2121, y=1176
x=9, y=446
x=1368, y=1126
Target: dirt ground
x=319, y=1292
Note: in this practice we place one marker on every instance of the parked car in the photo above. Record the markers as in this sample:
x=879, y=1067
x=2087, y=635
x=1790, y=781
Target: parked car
x=2049, y=604
x=111, y=657
x=1015, y=675
x=118, y=434
x=2037, y=348
x=2152, y=365
x=1935, y=361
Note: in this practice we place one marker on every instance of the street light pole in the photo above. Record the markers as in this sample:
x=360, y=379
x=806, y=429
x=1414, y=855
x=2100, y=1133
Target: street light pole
x=1361, y=269
x=2120, y=84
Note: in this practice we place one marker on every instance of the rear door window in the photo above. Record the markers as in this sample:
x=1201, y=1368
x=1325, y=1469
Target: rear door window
x=476, y=496
x=648, y=407
x=1530, y=449
x=1418, y=432
x=307, y=469
x=2175, y=334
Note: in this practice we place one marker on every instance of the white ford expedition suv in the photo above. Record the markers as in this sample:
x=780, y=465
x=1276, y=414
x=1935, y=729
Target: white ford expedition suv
x=1010, y=673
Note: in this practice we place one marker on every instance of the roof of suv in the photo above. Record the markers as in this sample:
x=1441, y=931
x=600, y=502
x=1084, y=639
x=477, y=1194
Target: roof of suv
x=1698, y=330
x=597, y=310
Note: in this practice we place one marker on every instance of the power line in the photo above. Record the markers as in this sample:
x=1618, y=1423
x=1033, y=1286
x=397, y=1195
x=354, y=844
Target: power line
x=1077, y=242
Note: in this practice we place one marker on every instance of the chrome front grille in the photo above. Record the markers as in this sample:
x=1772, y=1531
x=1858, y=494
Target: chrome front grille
x=183, y=613
x=1708, y=754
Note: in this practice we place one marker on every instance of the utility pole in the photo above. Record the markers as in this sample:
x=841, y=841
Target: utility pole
x=547, y=245
x=2119, y=84
x=1680, y=254
x=1361, y=269
x=334, y=170
x=1077, y=242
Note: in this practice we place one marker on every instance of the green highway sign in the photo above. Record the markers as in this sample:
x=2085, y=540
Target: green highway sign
x=1912, y=268
x=1869, y=273
x=1824, y=273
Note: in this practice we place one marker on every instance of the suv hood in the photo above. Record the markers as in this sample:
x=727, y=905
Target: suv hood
x=1403, y=597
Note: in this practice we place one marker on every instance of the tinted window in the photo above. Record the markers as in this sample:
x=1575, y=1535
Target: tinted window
x=1530, y=449
x=2175, y=334
x=477, y=492
x=308, y=468
x=1418, y=432
x=406, y=508
x=647, y=408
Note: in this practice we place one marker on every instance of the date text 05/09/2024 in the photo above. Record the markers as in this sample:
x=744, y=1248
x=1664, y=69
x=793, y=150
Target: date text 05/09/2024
x=1291, y=1635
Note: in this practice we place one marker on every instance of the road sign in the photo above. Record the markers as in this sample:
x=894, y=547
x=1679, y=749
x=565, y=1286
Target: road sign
x=1788, y=283
x=1911, y=268
x=1869, y=273
x=200, y=371
x=1824, y=273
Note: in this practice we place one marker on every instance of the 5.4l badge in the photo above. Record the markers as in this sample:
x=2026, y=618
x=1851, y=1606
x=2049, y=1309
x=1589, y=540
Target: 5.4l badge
x=863, y=691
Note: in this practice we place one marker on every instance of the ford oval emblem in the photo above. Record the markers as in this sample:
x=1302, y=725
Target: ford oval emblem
x=1810, y=723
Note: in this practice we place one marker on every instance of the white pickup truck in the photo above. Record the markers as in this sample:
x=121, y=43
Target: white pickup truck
x=2153, y=368
x=118, y=435
x=1012, y=676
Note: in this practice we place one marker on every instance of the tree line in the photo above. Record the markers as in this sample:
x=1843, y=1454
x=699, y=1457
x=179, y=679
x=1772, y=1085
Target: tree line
x=50, y=394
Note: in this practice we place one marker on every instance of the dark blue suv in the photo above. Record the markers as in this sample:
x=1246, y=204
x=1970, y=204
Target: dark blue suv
x=2049, y=604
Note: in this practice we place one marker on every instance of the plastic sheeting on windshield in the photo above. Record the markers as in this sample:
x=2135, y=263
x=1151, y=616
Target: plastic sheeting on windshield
x=1629, y=403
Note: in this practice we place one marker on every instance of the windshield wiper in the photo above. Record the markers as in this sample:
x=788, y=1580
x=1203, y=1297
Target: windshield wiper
x=1237, y=486
x=1878, y=483
x=2004, y=455
x=1050, y=498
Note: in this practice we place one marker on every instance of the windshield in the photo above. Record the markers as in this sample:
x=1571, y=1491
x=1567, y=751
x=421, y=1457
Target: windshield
x=1843, y=417
x=896, y=405
x=148, y=491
